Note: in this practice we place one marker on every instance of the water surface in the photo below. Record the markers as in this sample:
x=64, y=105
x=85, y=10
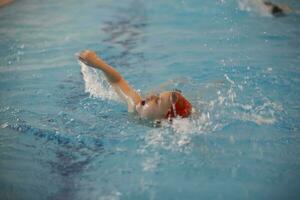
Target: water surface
x=65, y=135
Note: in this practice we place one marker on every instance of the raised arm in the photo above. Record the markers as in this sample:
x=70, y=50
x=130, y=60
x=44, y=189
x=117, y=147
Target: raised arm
x=123, y=89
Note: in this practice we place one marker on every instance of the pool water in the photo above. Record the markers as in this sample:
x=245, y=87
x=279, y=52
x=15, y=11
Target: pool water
x=65, y=135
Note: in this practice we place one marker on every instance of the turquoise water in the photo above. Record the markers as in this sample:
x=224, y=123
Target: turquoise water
x=64, y=134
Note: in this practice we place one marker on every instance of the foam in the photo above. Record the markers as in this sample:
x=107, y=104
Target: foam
x=177, y=136
x=258, y=119
x=151, y=162
x=209, y=115
x=228, y=105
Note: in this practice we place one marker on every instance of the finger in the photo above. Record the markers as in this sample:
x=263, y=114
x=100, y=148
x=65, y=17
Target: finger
x=82, y=60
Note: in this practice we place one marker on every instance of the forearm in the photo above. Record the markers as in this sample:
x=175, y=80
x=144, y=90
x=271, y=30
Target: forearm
x=128, y=91
x=117, y=80
x=112, y=75
x=124, y=90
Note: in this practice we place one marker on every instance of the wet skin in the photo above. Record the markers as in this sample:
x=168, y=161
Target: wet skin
x=154, y=107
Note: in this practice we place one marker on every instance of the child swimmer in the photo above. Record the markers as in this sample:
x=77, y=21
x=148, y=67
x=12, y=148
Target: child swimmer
x=166, y=105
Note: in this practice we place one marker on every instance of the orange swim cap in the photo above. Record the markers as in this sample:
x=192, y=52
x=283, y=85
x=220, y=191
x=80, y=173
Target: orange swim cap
x=183, y=108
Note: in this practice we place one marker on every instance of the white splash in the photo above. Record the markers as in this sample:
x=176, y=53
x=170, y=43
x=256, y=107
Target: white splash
x=227, y=105
x=96, y=84
x=151, y=163
x=258, y=119
x=4, y=125
x=177, y=136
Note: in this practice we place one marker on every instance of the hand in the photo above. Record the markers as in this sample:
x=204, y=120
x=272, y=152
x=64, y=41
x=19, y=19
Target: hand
x=88, y=57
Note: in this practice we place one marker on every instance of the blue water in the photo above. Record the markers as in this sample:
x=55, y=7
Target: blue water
x=64, y=135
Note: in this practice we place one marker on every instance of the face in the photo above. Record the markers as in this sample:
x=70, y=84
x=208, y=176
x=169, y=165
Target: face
x=153, y=107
